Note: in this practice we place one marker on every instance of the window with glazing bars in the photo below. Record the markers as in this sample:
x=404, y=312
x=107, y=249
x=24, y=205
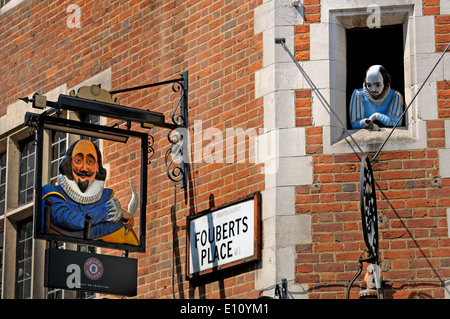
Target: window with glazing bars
x=2, y=183
x=26, y=181
x=24, y=258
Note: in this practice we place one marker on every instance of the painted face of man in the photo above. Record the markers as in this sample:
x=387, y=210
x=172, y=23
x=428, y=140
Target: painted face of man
x=84, y=164
x=374, y=81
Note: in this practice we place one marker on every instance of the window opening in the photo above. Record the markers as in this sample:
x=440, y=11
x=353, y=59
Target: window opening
x=371, y=46
x=26, y=181
x=24, y=258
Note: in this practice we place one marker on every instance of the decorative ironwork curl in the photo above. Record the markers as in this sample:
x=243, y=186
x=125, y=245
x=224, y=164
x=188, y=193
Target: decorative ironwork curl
x=151, y=150
x=179, y=119
x=174, y=156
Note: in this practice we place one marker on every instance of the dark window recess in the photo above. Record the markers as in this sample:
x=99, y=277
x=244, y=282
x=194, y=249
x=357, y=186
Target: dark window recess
x=367, y=47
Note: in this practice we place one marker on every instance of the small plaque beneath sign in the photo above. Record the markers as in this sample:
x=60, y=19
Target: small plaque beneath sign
x=73, y=270
x=224, y=237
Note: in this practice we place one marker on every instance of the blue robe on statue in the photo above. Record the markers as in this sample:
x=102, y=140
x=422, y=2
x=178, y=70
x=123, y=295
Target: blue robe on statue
x=362, y=107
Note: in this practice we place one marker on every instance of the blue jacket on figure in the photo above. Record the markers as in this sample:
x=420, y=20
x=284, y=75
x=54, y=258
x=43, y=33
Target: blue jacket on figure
x=362, y=108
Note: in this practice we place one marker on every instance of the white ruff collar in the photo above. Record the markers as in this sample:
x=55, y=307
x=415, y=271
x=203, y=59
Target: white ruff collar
x=379, y=100
x=92, y=194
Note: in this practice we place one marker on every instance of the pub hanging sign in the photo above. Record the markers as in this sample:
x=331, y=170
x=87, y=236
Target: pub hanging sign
x=225, y=236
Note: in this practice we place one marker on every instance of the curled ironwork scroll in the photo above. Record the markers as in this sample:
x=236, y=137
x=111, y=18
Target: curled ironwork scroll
x=179, y=119
x=174, y=156
x=151, y=150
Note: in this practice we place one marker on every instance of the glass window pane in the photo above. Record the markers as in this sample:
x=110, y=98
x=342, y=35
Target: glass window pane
x=62, y=148
x=20, y=271
x=28, y=250
x=24, y=163
x=30, y=179
x=27, y=289
x=31, y=163
x=2, y=175
x=54, y=151
x=27, y=269
x=54, y=169
x=26, y=180
x=22, y=197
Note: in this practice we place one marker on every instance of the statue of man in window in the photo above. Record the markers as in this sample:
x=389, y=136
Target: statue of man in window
x=376, y=104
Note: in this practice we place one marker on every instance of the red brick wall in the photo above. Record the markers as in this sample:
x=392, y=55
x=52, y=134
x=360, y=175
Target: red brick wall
x=215, y=42
x=151, y=41
x=412, y=202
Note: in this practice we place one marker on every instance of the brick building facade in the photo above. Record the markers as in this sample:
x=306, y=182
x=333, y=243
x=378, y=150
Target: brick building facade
x=294, y=152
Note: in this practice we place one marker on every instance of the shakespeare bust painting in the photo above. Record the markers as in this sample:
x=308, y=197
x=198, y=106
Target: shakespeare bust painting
x=80, y=205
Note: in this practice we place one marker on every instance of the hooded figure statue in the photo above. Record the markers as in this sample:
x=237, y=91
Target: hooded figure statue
x=376, y=104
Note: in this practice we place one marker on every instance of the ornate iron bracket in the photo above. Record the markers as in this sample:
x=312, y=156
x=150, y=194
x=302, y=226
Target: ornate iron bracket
x=176, y=156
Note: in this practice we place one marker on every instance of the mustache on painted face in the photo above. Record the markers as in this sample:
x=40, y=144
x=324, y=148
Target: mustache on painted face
x=83, y=173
